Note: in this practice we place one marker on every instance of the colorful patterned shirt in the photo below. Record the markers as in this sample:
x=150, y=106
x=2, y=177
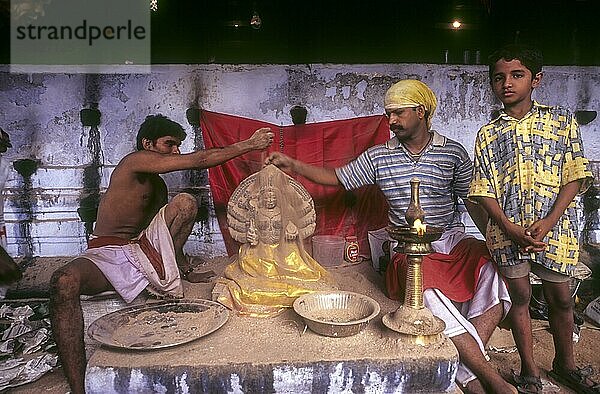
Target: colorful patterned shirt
x=523, y=163
x=444, y=169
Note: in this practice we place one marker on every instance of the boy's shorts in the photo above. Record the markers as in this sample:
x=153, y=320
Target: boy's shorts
x=523, y=269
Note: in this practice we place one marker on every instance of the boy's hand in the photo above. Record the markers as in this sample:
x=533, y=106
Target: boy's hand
x=523, y=237
x=539, y=229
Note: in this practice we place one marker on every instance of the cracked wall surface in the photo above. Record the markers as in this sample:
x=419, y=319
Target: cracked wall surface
x=41, y=112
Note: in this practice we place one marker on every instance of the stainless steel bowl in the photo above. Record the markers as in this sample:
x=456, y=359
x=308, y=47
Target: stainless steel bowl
x=336, y=313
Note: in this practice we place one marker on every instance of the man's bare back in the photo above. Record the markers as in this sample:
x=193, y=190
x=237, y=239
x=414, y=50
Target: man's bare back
x=130, y=203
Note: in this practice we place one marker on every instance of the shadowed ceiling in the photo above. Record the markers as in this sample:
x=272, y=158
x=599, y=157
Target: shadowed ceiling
x=366, y=31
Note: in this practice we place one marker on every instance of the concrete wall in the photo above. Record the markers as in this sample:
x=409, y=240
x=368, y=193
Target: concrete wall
x=41, y=113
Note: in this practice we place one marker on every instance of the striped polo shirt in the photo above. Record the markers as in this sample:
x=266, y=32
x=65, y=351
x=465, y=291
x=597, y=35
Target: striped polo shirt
x=444, y=169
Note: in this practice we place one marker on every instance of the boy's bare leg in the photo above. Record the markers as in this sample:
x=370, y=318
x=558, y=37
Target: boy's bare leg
x=180, y=214
x=520, y=321
x=560, y=316
x=80, y=276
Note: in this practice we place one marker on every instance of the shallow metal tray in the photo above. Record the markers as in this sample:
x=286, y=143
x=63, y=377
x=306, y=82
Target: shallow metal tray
x=159, y=325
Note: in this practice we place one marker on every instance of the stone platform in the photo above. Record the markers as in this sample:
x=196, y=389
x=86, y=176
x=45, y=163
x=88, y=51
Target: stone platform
x=280, y=355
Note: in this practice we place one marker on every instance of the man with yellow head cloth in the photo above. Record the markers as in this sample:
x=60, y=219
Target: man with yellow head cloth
x=462, y=285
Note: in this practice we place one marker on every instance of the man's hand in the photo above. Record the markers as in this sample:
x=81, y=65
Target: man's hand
x=524, y=238
x=316, y=174
x=261, y=139
x=281, y=161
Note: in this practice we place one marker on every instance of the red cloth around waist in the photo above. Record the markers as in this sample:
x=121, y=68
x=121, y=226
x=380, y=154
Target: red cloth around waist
x=149, y=250
x=455, y=274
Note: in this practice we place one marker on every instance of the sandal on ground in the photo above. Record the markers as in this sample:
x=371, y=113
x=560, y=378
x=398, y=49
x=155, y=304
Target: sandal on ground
x=578, y=379
x=527, y=384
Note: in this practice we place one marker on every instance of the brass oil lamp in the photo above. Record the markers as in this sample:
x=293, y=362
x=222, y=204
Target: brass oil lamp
x=412, y=319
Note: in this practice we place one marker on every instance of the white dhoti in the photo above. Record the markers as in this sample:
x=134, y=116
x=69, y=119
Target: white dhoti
x=490, y=291
x=129, y=269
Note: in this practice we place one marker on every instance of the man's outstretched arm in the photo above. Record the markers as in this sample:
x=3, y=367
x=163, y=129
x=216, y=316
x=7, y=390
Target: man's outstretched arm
x=153, y=162
x=320, y=175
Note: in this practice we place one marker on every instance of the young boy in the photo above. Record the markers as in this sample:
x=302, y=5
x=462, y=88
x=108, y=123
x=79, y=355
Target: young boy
x=529, y=166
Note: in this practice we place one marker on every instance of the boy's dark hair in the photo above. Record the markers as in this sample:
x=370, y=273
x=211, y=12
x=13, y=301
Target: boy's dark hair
x=529, y=56
x=156, y=126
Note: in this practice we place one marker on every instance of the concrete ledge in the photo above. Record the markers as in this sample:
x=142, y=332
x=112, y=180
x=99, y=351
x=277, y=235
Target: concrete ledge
x=414, y=376
x=280, y=355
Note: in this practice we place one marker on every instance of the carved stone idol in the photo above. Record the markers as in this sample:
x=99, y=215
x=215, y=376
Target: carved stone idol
x=270, y=214
x=270, y=205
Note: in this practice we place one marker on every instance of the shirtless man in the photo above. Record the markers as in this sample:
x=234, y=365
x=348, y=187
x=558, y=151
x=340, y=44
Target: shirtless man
x=138, y=240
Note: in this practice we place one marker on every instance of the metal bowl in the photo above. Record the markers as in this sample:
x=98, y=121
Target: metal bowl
x=336, y=313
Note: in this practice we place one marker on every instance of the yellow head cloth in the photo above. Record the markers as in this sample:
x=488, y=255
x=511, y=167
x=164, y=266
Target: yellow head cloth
x=410, y=93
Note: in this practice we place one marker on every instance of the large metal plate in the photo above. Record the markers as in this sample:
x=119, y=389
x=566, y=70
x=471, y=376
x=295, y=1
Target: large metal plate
x=159, y=325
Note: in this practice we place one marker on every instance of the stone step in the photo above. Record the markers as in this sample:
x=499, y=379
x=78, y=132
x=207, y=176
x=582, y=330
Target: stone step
x=281, y=355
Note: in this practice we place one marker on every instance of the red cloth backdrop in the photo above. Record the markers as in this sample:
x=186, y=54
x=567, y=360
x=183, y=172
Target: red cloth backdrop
x=325, y=144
